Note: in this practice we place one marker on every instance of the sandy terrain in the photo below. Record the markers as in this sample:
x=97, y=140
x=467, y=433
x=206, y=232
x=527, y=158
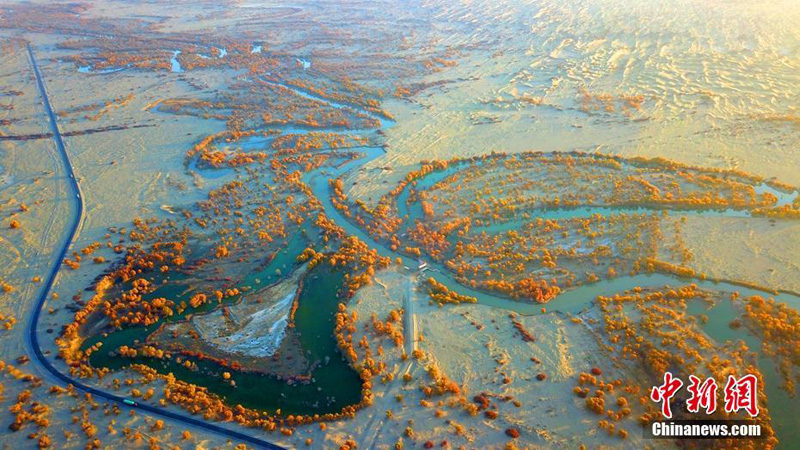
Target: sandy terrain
x=711, y=84
x=702, y=102
x=479, y=360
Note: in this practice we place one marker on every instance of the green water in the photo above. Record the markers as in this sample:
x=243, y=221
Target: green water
x=334, y=383
x=784, y=409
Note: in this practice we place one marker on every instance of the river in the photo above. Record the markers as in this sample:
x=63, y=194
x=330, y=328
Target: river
x=572, y=300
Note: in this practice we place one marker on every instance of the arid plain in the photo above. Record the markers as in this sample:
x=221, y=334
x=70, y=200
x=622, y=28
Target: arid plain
x=433, y=224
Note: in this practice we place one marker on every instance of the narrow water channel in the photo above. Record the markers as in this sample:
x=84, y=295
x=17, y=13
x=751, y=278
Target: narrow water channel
x=334, y=384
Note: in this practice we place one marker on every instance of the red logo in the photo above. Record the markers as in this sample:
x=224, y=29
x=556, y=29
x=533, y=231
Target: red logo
x=742, y=394
x=703, y=395
x=665, y=392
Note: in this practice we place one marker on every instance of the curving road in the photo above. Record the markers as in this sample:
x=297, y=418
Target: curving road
x=567, y=301
x=32, y=339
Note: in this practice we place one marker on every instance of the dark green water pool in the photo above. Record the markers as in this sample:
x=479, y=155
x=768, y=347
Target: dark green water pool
x=334, y=383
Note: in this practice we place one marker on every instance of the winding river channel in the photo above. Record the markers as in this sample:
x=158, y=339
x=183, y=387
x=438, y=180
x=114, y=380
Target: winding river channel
x=783, y=408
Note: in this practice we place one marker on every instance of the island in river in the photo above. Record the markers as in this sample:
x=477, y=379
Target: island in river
x=395, y=225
